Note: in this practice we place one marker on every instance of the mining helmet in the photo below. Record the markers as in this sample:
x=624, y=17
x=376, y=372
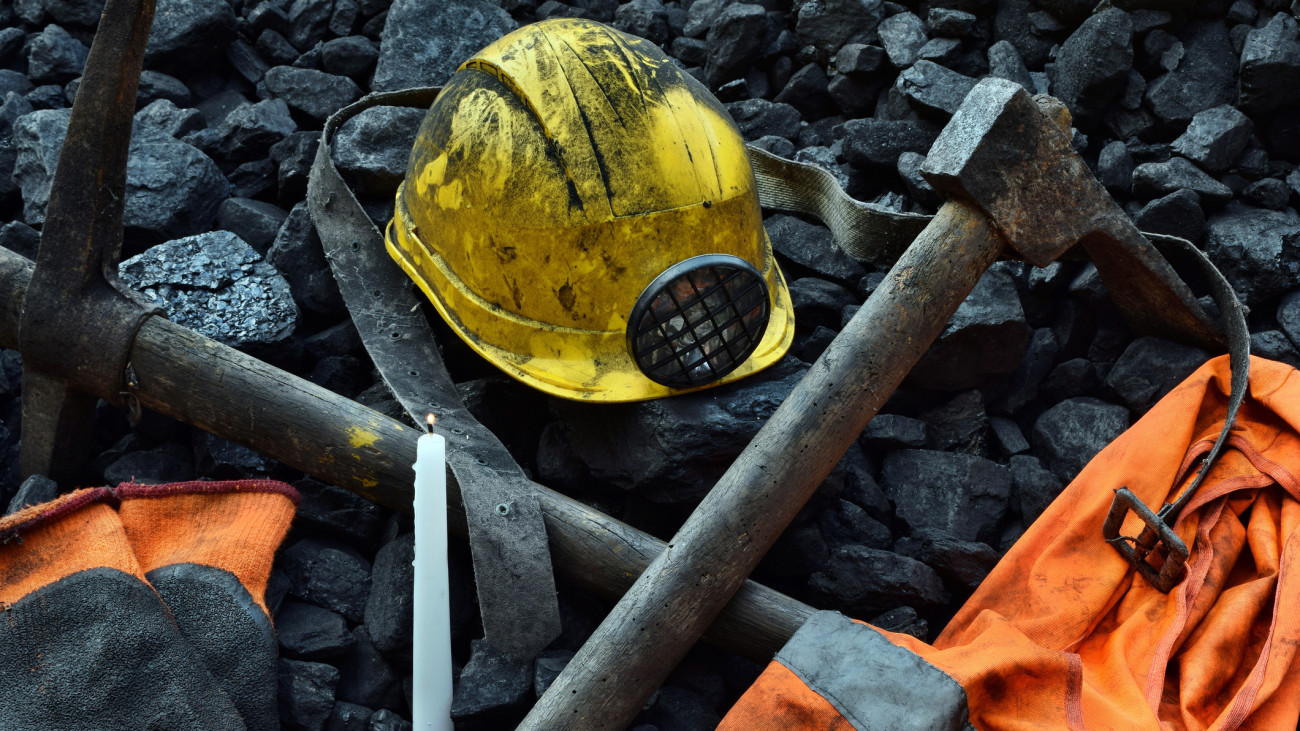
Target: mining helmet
x=584, y=215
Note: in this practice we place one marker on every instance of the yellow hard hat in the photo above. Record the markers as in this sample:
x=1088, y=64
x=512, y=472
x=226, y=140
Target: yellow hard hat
x=584, y=215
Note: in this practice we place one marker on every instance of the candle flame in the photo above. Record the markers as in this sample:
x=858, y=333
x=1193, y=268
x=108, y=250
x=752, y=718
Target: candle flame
x=429, y=419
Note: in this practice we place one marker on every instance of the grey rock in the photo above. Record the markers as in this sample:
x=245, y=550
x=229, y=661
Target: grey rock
x=700, y=16
x=1206, y=77
x=423, y=44
x=859, y=59
x=249, y=131
x=1150, y=368
x=275, y=48
x=548, y=667
x=20, y=238
x=807, y=91
x=218, y=286
x=1154, y=179
x=861, y=580
x=365, y=678
x=306, y=693
x=1072, y=432
x=218, y=459
x=986, y=337
x=351, y=56
x=55, y=56
x=943, y=51
x=328, y=574
x=246, y=61
x=668, y=450
x=878, y=142
x=1288, y=316
x=1005, y=63
x=690, y=51
x=1115, y=168
x=1256, y=249
x=344, y=17
x=348, y=717
x=309, y=22
x=1035, y=486
x=647, y=19
x=949, y=22
x=35, y=490
x=189, y=34
x=172, y=189
x=961, y=563
x=491, y=681
x=297, y=254
x=386, y=720
x=893, y=430
x=932, y=87
x=1011, y=24
x=314, y=93
x=169, y=118
x=374, y=147
x=391, y=603
x=759, y=118
x=1215, y=137
x=12, y=41
x=155, y=85
x=169, y=462
x=962, y=494
x=254, y=221
x=735, y=40
x=827, y=25
x=904, y=620
x=799, y=551
x=1270, y=63
x=1177, y=214
x=13, y=81
x=1010, y=439
x=1092, y=66
x=308, y=632
x=74, y=12
x=902, y=36
x=812, y=246
x=294, y=156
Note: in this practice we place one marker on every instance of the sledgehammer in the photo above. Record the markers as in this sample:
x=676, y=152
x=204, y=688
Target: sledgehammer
x=1016, y=185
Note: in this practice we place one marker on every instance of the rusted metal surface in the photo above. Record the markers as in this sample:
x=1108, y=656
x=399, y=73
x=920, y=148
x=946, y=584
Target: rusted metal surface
x=998, y=153
x=78, y=319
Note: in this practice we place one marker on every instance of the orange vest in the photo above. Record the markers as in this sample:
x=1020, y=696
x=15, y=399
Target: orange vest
x=1063, y=635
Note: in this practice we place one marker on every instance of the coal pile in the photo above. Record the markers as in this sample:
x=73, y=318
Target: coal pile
x=1189, y=117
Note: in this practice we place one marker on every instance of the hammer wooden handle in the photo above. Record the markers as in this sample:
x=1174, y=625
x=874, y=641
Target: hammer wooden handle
x=672, y=603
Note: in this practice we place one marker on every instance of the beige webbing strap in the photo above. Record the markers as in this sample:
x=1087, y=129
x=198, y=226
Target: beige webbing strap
x=866, y=232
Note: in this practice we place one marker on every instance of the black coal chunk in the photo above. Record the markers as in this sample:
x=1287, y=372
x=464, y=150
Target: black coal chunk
x=314, y=93
x=365, y=677
x=55, y=56
x=391, y=603
x=827, y=25
x=1154, y=179
x=1072, y=432
x=757, y=118
x=249, y=131
x=338, y=511
x=1176, y=214
x=1150, y=368
x=309, y=632
x=1092, y=66
x=491, y=683
x=961, y=494
x=349, y=717
x=189, y=34
x=1215, y=137
x=254, y=221
x=807, y=91
x=1288, y=316
x=386, y=720
x=892, y=430
x=1035, y=486
x=1205, y=77
x=423, y=43
x=306, y=693
x=902, y=35
x=933, y=88
x=961, y=563
x=328, y=574
x=878, y=142
x=645, y=18
x=674, y=707
x=1270, y=64
x=986, y=337
x=734, y=41
x=351, y=56
x=297, y=254
x=1257, y=250
x=35, y=490
x=864, y=581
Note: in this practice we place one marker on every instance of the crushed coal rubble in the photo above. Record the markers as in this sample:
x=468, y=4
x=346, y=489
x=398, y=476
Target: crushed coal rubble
x=1189, y=117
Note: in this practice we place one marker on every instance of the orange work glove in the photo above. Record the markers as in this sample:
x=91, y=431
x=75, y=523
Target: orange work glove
x=85, y=643
x=207, y=548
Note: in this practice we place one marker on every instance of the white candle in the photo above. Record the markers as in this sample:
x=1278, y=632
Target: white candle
x=431, y=661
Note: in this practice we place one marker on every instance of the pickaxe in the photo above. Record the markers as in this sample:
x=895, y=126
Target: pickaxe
x=1017, y=188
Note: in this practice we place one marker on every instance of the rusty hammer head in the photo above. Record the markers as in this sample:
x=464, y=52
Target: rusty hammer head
x=1005, y=154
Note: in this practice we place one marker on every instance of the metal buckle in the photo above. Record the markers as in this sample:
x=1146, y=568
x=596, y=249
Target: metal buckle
x=1156, y=538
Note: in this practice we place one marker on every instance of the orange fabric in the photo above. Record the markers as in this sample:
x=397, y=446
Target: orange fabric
x=778, y=701
x=1062, y=635
x=43, y=543
x=235, y=526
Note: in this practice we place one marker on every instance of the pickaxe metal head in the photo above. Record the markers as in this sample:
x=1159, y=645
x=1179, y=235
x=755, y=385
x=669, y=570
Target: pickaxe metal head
x=1003, y=152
